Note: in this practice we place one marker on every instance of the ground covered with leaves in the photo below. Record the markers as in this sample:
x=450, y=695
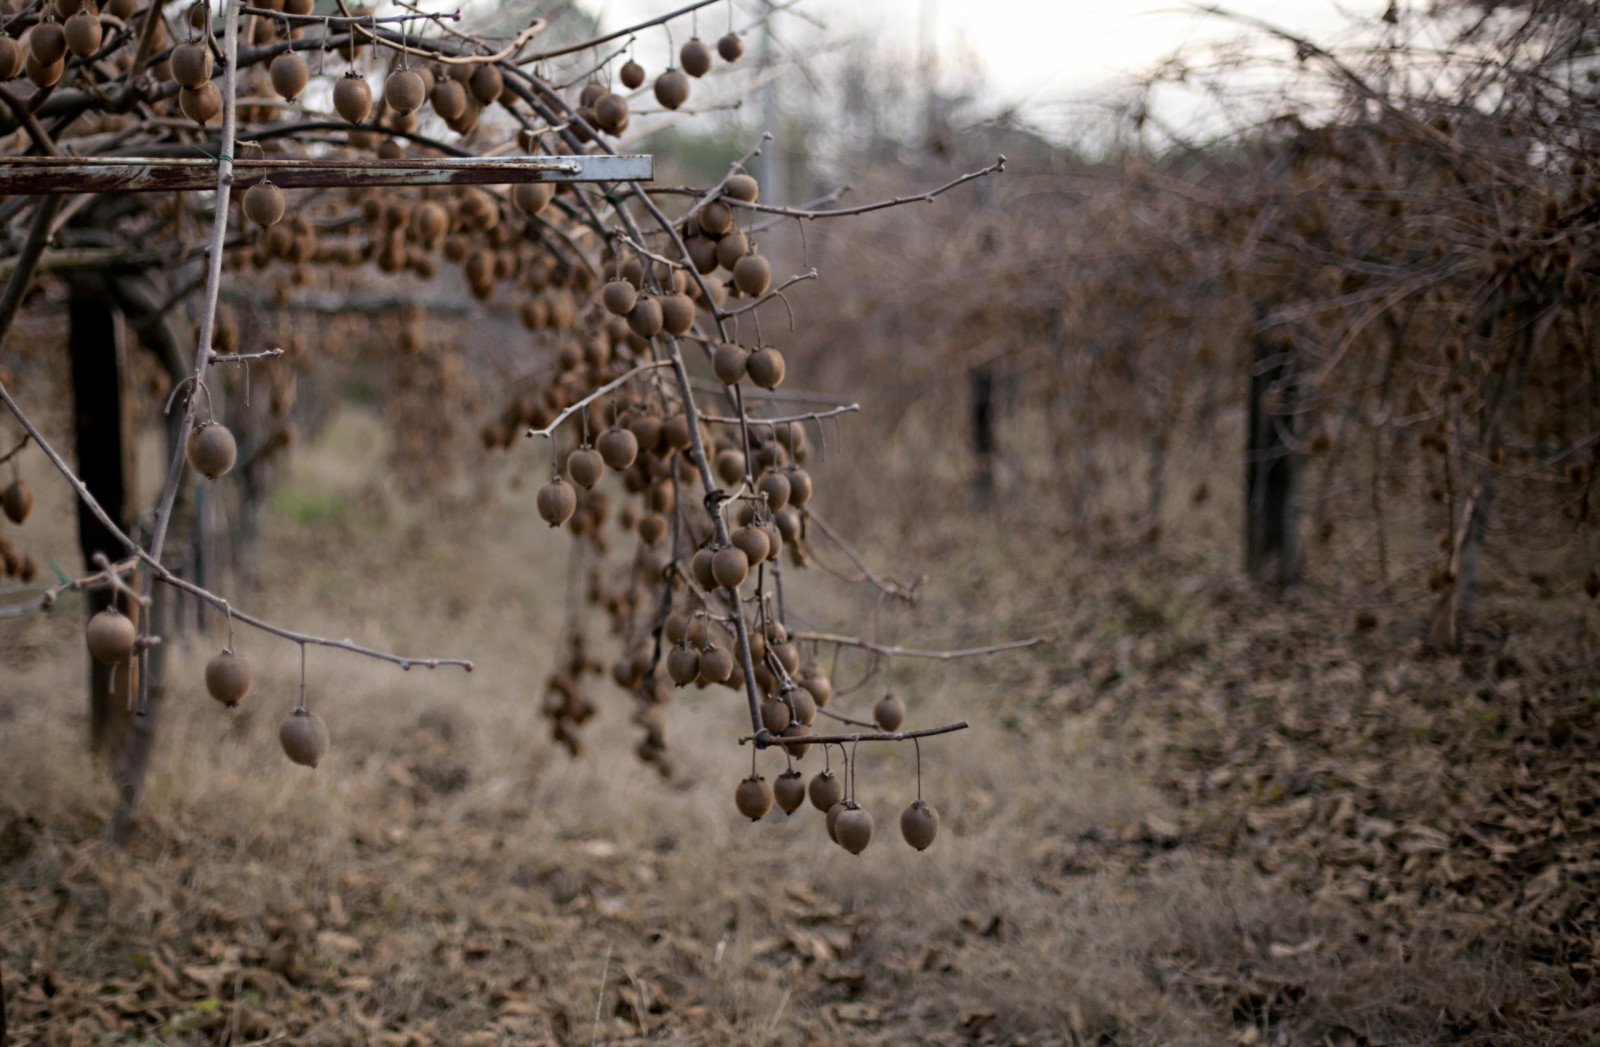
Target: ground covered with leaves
x=1199, y=813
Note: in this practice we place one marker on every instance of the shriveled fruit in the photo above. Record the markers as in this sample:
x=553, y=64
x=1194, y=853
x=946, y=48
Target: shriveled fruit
x=618, y=297
x=404, y=91
x=752, y=275
x=210, y=449
x=304, y=737
x=557, y=501
x=228, y=678
x=202, y=103
x=618, y=447
x=263, y=204
x=672, y=88
x=695, y=57
x=775, y=715
x=728, y=362
x=83, y=33
x=730, y=47
x=853, y=829
x=352, y=98
x=753, y=797
x=826, y=790
x=766, y=367
x=683, y=665
x=585, y=466
x=677, y=314
x=890, y=712
x=789, y=791
x=110, y=635
x=17, y=501
x=631, y=74
x=532, y=197
x=919, y=824
x=289, y=73
x=730, y=567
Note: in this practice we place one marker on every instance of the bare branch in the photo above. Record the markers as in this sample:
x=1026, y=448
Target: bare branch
x=766, y=739
x=573, y=408
x=912, y=652
x=771, y=423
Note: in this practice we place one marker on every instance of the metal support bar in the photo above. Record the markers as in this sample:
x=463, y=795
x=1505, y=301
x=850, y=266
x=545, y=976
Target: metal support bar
x=34, y=175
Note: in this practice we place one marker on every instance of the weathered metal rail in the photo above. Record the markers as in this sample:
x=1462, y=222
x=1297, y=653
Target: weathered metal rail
x=36, y=175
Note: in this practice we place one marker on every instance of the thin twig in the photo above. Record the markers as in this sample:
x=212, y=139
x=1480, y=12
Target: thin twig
x=236, y=358
x=571, y=409
x=890, y=587
x=912, y=652
x=767, y=738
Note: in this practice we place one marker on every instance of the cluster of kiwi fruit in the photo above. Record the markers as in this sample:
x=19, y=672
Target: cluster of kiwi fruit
x=848, y=823
x=565, y=705
x=16, y=501
x=59, y=32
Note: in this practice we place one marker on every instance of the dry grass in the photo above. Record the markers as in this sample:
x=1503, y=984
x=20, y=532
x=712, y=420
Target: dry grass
x=450, y=876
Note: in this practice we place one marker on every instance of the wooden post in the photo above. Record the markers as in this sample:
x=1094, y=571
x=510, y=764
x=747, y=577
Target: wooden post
x=1272, y=466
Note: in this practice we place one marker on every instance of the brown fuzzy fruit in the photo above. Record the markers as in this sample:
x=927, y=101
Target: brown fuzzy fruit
x=700, y=567
x=742, y=187
x=730, y=466
x=919, y=824
x=677, y=314
x=17, y=501
x=752, y=275
x=228, y=678
x=42, y=75
x=202, y=103
x=304, y=737
x=631, y=74
x=557, y=501
x=263, y=204
x=585, y=466
x=190, y=64
x=890, y=712
x=11, y=58
x=853, y=829
x=753, y=797
x=644, y=319
x=730, y=567
x=683, y=665
x=800, y=701
x=826, y=790
x=730, y=47
x=776, y=487
x=618, y=447
x=83, y=34
x=618, y=297
x=211, y=449
x=766, y=367
x=728, y=361
x=775, y=715
x=695, y=57
x=833, y=819
x=799, y=486
x=352, y=98
x=753, y=541
x=405, y=91
x=47, y=43
x=289, y=73
x=716, y=218
x=789, y=791
x=611, y=113
x=532, y=197
x=652, y=527
x=449, y=99
x=486, y=83
x=110, y=635
x=676, y=627
x=716, y=664
x=672, y=88
x=797, y=730
x=816, y=681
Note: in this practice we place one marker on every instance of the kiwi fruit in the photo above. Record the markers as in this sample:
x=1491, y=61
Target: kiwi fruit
x=17, y=501
x=585, y=467
x=675, y=433
x=752, y=275
x=742, y=187
x=728, y=362
x=67, y=8
x=801, y=703
x=788, y=656
x=797, y=730
x=677, y=314
x=853, y=829
x=644, y=319
x=695, y=57
x=766, y=367
x=83, y=33
x=833, y=819
x=557, y=501
x=715, y=218
x=730, y=567
x=702, y=254
x=775, y=715
x=405, y=91
x=787, y=523
x=919, y=824
x=700, y=567
x=486, y=83
x=532, y=197
x=304, y=737
x=449, y=99
x=733, y=246
x=776, y=487
x=611, y=113
x=11, y=58
x=789, y=791
x=200, y=104
x=890, y=712
x=263, y=204
x=631, y=74
x=47, y=43
x=618, y=297
x=676, y=627
x=228, y=678
x=210, y=449
x=699, y=631
x=799, y=486
x=753, y=797
x=716, y=664
x=752, y=540
x=299, y=7
x=683, y=665
x=729, y=465
x=352, y=98
x=289, y=74
x=672, y=88
x=618, y=447
x=652, y=527
x=110, y=635
x=42, y=75
x=817, y=683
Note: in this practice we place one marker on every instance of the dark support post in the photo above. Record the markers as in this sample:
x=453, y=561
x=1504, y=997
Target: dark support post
x=1272, y=466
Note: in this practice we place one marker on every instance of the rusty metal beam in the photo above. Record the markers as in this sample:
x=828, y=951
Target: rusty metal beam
x=36, y=175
